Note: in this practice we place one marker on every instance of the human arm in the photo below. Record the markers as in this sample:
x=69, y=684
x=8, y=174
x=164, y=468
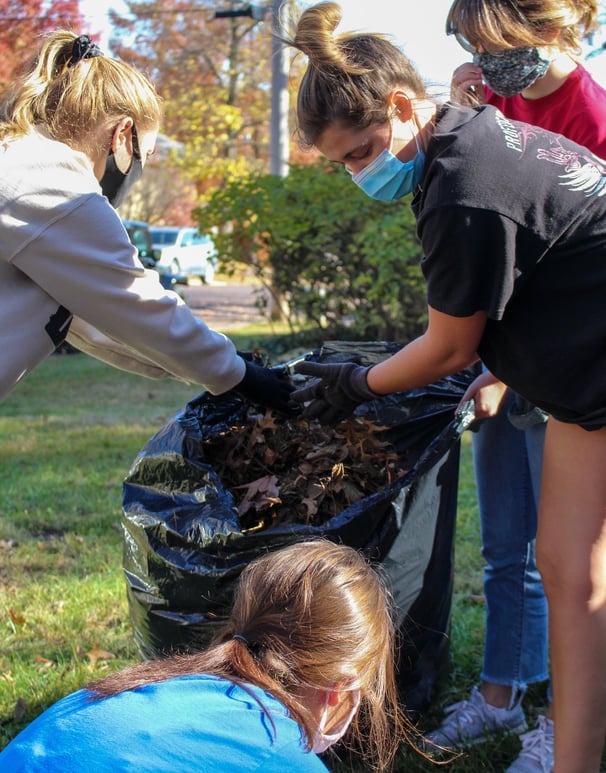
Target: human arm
x=448, y=345
x=84, y=260
x=125, y=317
x=487, y=393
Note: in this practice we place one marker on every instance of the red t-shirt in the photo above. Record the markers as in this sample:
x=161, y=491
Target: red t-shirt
x=577, y=109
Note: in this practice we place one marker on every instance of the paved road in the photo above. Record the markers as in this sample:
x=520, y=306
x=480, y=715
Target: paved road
x=223, y=306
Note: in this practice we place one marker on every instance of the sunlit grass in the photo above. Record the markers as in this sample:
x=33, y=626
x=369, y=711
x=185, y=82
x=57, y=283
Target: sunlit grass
x=68, y=435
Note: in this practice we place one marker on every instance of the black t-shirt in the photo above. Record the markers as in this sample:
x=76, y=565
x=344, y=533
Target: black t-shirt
x=512, y=220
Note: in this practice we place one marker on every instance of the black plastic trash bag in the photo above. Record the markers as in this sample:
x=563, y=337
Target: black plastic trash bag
x=185, y=547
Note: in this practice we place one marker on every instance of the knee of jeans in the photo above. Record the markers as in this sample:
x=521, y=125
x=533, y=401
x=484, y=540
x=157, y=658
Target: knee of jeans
x=504, y=558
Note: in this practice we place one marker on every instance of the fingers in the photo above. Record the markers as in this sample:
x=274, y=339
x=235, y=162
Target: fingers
x=324, y=412
x=324, y=397
x=466, y=86
x=320, y=369
x=309, y=392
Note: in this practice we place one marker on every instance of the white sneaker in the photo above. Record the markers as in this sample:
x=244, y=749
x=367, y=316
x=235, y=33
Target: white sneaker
x=474, y=721
x=537, y=750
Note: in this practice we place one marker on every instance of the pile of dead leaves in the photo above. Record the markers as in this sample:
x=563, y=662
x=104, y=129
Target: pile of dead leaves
x=299, y=471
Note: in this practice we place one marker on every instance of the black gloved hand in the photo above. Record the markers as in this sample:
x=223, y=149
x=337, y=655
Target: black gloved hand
x=338, y=389
x=263, y=386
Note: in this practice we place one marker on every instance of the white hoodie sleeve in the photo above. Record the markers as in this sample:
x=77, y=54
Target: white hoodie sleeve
x=84, y=260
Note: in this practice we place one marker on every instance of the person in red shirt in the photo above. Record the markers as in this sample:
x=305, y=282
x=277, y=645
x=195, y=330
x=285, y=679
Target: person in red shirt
x=526, y=62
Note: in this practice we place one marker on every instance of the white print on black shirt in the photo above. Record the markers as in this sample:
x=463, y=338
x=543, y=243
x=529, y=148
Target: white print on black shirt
x=584, y=171
x=513, y=136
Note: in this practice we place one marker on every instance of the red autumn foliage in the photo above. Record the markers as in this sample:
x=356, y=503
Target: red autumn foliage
x=22, y=22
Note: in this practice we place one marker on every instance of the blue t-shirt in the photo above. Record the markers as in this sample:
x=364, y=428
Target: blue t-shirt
x=192, y=724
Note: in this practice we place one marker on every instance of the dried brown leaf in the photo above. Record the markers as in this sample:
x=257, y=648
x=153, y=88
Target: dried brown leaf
x=97, y=654
x=15, y=617
x=287, y=470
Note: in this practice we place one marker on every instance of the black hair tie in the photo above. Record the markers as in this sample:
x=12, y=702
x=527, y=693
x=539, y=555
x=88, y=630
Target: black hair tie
x=256, y=650
x=84, y=48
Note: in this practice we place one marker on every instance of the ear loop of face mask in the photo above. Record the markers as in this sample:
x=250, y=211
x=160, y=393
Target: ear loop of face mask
x=115, y=184
x=322, y=740
x=387, y=178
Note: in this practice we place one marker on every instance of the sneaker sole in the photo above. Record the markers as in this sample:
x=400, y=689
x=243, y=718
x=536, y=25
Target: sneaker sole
x=430, y=746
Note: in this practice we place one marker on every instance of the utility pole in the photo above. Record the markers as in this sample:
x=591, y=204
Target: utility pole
x=278, y=125
x=279, y=139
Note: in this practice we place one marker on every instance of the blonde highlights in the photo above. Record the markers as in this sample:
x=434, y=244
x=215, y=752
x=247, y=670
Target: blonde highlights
x=72, y=101
x=502, y=24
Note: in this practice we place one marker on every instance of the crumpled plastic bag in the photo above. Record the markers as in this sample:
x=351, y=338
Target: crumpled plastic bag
x=184, y=546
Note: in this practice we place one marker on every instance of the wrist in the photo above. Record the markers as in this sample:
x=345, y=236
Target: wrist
x=361, y=385
x=371, y=379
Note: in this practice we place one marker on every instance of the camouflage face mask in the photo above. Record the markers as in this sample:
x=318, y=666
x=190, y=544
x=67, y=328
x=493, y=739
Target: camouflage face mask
x=511, y=72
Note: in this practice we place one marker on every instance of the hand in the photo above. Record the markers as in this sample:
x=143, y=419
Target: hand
x=335, y=393
x=487, y=393
x=466, y=86
x=264, y=386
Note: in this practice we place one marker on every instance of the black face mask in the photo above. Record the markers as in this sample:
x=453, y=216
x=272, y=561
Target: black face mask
x=116, y=184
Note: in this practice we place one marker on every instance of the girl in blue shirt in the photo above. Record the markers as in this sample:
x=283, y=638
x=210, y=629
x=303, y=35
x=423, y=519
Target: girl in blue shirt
x=305, y=660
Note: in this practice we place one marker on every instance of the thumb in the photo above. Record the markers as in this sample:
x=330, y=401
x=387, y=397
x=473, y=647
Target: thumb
x=319, y=369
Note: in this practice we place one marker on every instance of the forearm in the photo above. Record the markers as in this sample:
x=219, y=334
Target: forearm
x=216, y=367
x=416, y=365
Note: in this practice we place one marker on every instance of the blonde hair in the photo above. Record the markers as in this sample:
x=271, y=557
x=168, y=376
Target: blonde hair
x=498, y=24
x=311, y=615
x=349, y=76
x=71, y=100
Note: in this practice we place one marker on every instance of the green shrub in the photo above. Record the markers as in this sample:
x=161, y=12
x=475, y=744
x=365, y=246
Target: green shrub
x=331, y=257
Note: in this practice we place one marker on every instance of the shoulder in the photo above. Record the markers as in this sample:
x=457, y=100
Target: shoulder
x=467, y=152
x=45, y=163
x=585, y=111
x=464, y=128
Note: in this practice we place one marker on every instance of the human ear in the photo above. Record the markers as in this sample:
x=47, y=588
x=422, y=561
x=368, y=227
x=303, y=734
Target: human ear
x=401, y=104
x=121, y=134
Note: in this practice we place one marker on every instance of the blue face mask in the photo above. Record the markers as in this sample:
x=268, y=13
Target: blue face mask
x=387, y=178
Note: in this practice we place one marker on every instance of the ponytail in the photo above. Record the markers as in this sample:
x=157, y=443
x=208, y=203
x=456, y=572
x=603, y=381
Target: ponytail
x=71, y=89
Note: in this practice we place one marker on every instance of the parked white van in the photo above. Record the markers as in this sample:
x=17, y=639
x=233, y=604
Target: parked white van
x=184, y=252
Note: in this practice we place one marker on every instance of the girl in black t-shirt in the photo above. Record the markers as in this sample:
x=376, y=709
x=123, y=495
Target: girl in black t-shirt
x=512, y=221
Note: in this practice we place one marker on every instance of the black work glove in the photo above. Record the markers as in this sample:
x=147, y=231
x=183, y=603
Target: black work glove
x=263, y=386
x=338, y=389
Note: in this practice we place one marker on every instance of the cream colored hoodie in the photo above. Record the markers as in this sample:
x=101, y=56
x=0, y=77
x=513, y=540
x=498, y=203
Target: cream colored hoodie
x=63, y=249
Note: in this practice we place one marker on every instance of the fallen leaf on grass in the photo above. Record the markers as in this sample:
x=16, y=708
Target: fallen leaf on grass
x=16, y=618
x=97, y=654
x=45, y=662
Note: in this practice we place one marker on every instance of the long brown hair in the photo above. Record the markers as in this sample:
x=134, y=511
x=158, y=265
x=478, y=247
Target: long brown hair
x=311, y=615
x=71, y=102
x=498, y=24
x=349, y=76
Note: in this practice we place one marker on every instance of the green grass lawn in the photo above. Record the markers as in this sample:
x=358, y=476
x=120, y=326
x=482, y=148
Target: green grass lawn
x=68, y=435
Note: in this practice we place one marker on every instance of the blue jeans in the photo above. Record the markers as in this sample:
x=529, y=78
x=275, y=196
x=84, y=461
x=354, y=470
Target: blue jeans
x=507, y=463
